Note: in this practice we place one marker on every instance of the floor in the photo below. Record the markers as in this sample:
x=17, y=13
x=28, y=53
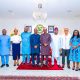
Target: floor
x=12, y=71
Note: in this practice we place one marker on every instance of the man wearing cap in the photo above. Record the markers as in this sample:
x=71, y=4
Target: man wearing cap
x=26, y=50
x=56, y=46
x=45, y=46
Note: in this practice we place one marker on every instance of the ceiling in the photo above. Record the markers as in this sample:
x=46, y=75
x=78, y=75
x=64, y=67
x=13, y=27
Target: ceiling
x=25, y=8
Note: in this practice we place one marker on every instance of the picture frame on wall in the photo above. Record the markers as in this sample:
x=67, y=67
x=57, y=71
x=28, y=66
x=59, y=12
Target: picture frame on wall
x=30, y=28
x=50, y=29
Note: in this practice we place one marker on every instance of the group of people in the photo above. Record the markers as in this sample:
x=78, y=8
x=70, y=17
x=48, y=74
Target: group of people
x=40, y=46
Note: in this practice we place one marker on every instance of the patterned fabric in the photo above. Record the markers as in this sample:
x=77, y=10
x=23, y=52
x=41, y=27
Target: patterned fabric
x=75, y=53
x=37, y=78
x=45, y=38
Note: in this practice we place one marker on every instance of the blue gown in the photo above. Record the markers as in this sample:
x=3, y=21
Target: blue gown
x=4, y=45
x=75, y=53
x=35, y=40
x=26, y=42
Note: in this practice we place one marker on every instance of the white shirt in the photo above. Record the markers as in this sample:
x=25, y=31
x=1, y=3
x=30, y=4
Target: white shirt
x=56, y=45
x=65, y=41
x=16, y=39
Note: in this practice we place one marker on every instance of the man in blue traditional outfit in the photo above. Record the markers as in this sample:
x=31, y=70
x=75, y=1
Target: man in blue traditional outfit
x=26, y=45
x=35, y=46
x=4, y=48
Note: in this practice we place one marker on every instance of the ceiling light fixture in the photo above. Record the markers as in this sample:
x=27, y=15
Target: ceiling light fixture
x=11, y=12
x=39, y=1
x=40, y=14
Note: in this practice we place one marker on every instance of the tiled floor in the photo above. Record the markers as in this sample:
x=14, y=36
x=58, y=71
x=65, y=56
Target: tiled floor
x=11, y=71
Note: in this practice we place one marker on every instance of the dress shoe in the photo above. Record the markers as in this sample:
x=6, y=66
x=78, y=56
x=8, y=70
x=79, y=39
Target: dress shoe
x=68, y=67
x=2, y=65
x=73, y=68
x=77, y=69
x=14, y=64
x=52, y=65
x=17, y=64
x=62, y=66
x=59, y=66
x=7, y=65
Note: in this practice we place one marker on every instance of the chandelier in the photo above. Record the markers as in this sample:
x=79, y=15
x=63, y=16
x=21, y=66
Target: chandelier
x=39, y=1
x=40, y=14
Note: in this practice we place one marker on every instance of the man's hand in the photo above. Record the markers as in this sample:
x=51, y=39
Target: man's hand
x=60, y=49
x=79, y=44
x=45, y=44
x=74, y=47
x=35, y=46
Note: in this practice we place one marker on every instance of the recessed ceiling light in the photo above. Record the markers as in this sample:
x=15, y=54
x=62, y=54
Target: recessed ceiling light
x=69, y=11
x=11, y=12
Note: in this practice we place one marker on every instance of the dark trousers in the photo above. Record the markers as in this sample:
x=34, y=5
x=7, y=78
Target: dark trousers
x=33, y=58
x=65, y=52
x=43, y=59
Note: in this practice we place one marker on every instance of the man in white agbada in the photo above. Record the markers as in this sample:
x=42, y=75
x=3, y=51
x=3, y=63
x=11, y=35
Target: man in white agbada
x=55, y=45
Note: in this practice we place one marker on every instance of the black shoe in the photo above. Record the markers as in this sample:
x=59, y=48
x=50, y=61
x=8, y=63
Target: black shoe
x=33, y=65
x=17, y=64
x=52, y=65
x=59, y=66
x=62, y=66
x=7, y=65
x=14, y=64
x=68, y=67
x=37, y=65
x=2, y=65
x=76, y=69
x=73, y=68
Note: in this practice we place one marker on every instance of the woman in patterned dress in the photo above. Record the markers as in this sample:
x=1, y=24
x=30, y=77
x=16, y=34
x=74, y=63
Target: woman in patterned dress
x=75, y=50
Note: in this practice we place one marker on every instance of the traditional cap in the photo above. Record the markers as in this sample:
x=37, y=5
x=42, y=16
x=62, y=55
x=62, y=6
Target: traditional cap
x=56, y=28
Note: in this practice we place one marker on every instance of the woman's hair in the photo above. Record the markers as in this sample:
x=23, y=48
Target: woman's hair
x=74, y=35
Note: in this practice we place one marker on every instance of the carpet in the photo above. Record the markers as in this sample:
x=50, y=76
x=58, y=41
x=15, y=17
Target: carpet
x=36, y=78
x=30, y=67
